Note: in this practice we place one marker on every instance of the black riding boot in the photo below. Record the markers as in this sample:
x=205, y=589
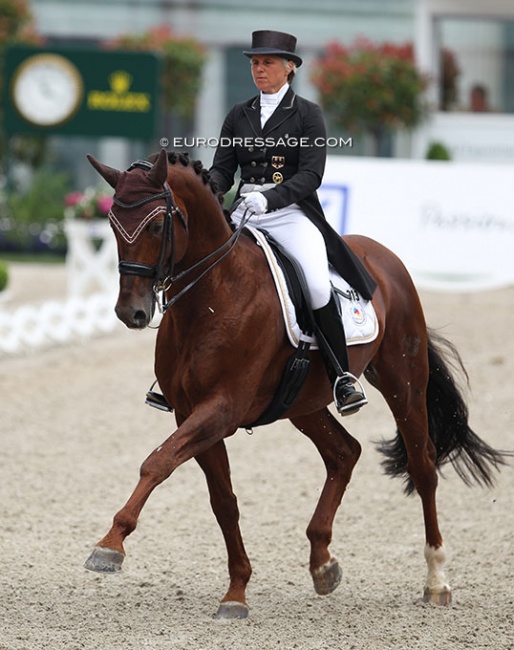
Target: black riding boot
x=332, y=342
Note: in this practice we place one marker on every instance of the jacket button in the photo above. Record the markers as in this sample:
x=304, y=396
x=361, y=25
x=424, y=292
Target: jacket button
x=252, y=180
x=264, y=164
x=250, y=148
x=262, y=179
x=253, y=163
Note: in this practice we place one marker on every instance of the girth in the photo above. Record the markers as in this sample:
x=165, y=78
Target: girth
x=298, y=364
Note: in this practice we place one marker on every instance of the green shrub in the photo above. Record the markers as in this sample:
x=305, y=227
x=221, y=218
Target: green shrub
x=38, y=212
x=183, y=61
x=437, y=151
x=4, y=275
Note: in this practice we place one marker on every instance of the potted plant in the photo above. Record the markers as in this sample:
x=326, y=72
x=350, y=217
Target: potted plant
x=92, y=203
x=449, y=72
x=91, y=258
x=369, y=88
x=86, y=213
x=16, y=26
x=183, y=61
x=15, y=17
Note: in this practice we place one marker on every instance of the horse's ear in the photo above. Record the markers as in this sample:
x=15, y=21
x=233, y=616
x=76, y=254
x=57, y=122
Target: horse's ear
x=159, y=172
x=109, y=174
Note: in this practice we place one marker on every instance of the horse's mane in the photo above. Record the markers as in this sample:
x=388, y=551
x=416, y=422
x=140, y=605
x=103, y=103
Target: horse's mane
x=182, y=157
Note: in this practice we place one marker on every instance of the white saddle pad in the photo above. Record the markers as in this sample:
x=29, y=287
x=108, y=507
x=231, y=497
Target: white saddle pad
x=359, y=318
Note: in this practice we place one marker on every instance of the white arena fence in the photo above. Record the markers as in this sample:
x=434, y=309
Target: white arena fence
x=55, y=322
x=92, y=272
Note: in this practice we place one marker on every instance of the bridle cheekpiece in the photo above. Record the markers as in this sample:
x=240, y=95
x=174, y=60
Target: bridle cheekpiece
x=159, y=272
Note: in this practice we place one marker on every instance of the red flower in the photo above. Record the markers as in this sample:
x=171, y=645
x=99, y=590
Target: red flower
x=370, y=87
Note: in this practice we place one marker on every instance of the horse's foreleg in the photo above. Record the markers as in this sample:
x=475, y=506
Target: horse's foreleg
x=214, y=463
x=188, y=441
x=340, y=452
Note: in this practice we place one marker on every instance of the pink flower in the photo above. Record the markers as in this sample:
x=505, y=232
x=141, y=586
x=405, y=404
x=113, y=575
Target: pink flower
x=105, y=204
x=72, y=199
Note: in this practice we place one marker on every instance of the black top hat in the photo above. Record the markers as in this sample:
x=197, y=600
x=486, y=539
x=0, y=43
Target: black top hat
x=277, y=43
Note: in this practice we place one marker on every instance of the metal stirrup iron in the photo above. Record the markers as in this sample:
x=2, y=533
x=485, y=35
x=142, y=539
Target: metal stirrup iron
x=355, y=405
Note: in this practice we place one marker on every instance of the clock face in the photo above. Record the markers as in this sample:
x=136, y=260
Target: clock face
x=47, y=89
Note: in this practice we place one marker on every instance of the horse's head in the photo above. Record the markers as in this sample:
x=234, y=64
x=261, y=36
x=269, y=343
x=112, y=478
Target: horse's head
x=151, y=233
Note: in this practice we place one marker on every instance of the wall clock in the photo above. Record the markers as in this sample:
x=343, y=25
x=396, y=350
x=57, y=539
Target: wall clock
x=47, y=89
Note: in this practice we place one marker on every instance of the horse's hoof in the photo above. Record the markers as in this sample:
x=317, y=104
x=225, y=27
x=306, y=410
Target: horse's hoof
x=327, y=578
x=441, y=596
x=104, y=560
x=231, y=609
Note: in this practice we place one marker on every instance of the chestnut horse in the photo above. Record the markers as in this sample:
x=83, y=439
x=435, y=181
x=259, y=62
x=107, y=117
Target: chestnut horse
x=221, y=350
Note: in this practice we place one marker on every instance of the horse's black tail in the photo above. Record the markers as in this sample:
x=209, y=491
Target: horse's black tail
x=455, y=442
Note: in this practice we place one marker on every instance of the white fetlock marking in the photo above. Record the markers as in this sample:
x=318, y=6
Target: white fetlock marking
x=435, y=559
x=320, y=571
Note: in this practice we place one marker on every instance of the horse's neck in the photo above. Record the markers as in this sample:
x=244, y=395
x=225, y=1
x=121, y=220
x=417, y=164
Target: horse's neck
x=208, y=229
x=209, y=257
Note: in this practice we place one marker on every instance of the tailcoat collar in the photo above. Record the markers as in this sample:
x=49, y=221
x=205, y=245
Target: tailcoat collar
x=286, y=107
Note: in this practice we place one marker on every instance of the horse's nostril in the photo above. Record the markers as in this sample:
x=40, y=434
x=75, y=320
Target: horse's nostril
x=139, y=318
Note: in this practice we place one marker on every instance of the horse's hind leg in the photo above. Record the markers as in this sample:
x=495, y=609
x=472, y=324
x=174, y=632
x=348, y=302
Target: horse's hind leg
x=402, y=379
x=340, y=452
x=215, y=465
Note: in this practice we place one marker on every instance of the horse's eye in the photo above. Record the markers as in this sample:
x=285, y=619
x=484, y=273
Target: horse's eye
x=155, y=228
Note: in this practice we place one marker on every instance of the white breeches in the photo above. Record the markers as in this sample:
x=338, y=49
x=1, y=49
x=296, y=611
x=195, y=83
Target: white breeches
x=302, y=239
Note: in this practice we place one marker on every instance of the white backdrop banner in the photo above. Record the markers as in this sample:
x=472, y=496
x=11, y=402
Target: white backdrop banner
x=452, y=224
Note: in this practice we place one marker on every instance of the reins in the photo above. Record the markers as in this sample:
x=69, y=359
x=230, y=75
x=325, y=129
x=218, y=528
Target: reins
x=229, y=245
x=164, y=280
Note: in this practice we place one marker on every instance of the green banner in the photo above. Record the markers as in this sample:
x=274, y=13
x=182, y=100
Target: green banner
x=89, y=92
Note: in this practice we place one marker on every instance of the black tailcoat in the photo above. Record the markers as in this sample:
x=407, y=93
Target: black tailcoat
x=292, y=144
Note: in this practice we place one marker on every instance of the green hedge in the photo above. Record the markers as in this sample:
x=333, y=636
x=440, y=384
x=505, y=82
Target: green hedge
x=4, y=275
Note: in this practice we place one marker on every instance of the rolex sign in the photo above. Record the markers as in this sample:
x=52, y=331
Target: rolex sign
x=81, y=92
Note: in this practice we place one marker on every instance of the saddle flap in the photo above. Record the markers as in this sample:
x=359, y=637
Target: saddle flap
x=359, y=317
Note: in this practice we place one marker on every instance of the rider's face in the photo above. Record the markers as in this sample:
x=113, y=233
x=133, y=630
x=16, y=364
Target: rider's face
x=269, y=72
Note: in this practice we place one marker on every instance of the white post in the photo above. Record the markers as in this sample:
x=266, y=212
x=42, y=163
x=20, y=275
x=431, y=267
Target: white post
x=92, y=259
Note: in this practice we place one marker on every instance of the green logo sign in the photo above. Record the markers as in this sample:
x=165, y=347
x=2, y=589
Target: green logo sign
x=81, y=92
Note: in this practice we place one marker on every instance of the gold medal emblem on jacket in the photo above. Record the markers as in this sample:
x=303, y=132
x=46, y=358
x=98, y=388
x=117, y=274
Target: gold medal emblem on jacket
x=277, y=177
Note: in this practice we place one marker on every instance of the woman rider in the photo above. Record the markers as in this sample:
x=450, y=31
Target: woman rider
x=278, y=141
